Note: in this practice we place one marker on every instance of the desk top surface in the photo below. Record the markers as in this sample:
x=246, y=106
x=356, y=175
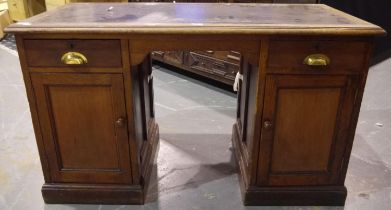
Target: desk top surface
x=196, y=18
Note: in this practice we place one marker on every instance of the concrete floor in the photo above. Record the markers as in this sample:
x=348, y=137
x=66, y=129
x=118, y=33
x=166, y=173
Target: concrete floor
x=195, y=168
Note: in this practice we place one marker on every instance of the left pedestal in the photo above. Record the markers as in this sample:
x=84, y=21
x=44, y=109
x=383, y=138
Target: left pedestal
x=94, y=143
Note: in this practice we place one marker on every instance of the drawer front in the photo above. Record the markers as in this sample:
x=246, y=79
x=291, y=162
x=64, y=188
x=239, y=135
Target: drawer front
x=48, y=53
x=345, y=56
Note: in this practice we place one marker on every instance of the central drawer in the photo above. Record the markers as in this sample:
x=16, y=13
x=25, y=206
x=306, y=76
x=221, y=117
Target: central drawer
x=97, y=53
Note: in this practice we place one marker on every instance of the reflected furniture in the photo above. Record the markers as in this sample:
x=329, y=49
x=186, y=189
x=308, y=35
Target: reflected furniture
x=87, y=71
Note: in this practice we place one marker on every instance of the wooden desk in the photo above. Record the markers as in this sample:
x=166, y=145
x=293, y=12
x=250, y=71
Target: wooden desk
x=88, y=77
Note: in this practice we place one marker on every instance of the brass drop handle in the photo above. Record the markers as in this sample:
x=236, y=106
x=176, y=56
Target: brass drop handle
x=267, y=124
x=74, y=58
x=120, y=122
x=317, y=60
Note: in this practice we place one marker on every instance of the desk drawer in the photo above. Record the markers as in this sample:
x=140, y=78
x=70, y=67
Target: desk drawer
x=49, y=53
x=345, y=56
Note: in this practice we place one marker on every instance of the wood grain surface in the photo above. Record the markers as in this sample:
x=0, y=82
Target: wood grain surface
x=95, y=126
x=193, y=18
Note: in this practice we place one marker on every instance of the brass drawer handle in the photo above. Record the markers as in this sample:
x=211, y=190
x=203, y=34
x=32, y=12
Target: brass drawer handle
x=317, y=60
x=74, y=58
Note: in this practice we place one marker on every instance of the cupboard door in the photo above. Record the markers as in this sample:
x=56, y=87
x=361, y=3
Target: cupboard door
x=83, y=122
x=305, y=124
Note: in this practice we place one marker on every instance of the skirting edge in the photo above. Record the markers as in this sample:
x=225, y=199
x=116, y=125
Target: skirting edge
x=92, y=193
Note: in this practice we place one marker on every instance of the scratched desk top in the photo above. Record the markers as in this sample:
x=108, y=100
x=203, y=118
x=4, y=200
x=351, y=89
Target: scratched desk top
x=203, y=18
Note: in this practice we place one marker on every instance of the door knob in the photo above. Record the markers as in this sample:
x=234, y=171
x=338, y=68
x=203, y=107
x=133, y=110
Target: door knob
x=120, y=122
x=267, y=124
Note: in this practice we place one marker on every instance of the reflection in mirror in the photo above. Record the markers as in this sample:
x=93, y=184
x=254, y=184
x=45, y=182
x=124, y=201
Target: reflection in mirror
x=220, y=66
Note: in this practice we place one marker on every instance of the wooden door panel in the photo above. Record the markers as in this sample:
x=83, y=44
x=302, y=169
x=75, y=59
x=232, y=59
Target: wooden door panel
x=295, y=126
x=308, y=116
x=79, y=115
x=77, y=138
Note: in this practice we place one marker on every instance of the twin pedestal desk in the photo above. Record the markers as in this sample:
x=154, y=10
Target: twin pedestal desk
x=87, y=72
